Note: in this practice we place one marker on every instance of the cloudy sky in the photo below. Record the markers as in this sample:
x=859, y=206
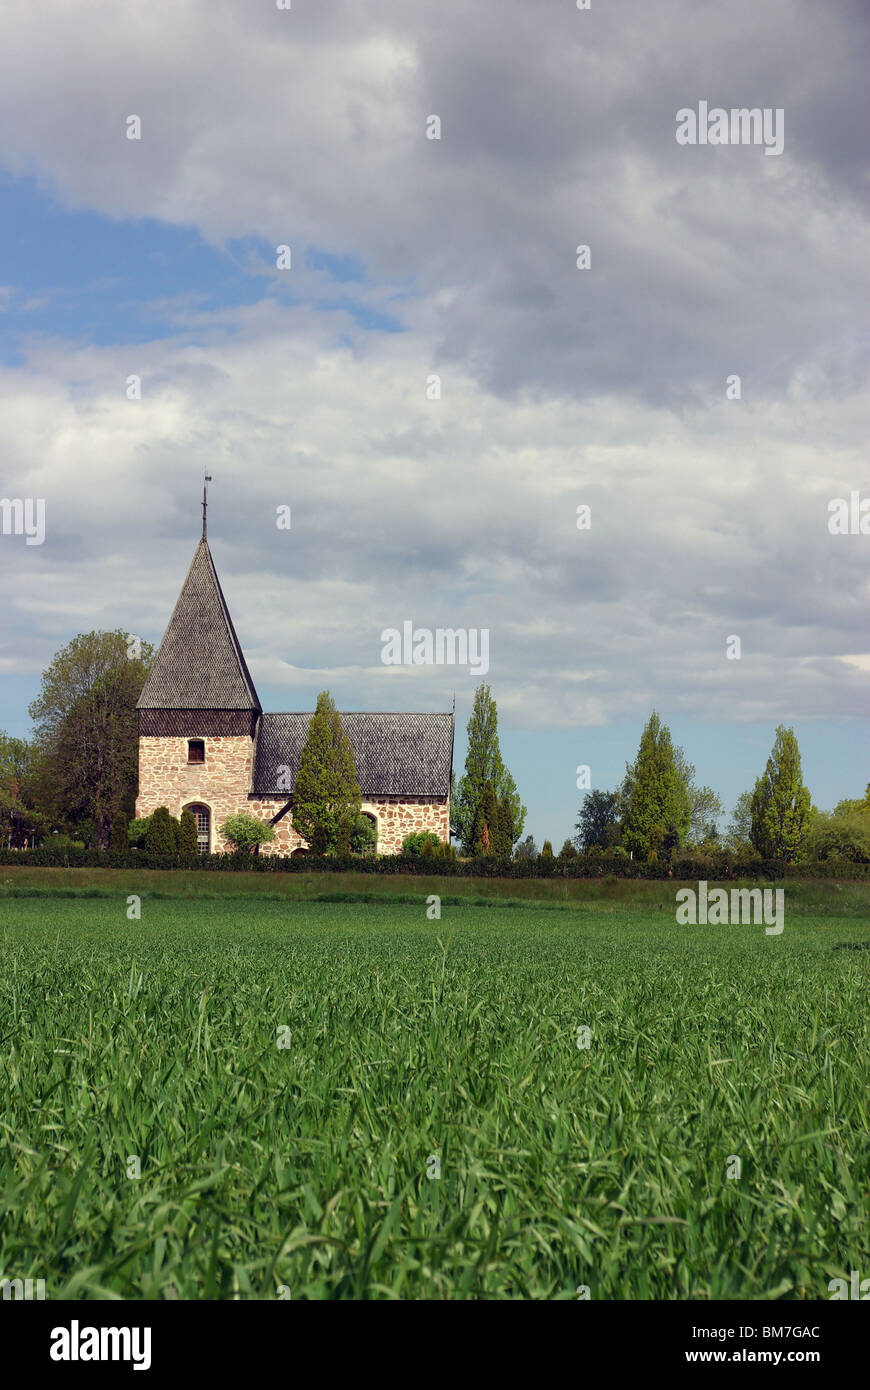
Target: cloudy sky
x=414, y=258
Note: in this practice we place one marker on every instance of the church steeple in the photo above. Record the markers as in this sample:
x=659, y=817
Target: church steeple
x=199, y=664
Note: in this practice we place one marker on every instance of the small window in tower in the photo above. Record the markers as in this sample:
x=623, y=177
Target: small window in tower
x=196, y=750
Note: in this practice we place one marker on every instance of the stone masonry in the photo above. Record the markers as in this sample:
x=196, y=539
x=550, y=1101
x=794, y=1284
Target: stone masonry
x=394, y=816
x=222, y=783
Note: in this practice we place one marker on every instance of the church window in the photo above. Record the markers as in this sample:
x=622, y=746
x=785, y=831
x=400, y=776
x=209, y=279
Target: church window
x=196, y=750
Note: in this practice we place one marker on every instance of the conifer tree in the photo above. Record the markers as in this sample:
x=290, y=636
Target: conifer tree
x=505, y=829
x=326, y=797
x=655, y=797
x=161, y=837
x=781, y=807
x=188, y=838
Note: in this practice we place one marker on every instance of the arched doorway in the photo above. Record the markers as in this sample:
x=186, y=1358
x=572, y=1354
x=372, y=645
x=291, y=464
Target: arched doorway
x=365, y=837
x=202, y=815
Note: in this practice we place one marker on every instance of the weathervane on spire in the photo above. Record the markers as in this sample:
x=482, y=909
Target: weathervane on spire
x=204, y=501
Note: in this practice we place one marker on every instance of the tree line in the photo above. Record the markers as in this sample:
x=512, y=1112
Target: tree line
x=75, y=781
x=659, y=811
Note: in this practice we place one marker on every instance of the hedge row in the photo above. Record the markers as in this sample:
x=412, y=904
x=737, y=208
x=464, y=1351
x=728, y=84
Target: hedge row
x=585, y=866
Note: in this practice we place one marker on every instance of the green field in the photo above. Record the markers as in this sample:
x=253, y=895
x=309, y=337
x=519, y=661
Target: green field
x=306, y=1167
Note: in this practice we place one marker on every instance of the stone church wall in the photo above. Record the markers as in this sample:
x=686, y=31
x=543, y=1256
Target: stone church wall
x=395, y=817
x=221, y=783
x=167, y=779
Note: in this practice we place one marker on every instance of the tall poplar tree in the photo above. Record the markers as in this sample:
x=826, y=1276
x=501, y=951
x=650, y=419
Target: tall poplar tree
x=781, y=806
x=483, y=763
x=326, y=796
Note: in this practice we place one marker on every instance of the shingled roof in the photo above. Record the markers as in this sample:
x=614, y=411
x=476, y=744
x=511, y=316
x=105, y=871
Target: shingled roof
x=199, y=664
x=395, y=754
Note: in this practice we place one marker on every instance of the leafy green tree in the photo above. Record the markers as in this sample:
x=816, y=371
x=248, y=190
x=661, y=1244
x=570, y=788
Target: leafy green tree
x=327, y=798
x=22, y=821
x=246, y=833
x=188, y=836
x=137, y=830
x=844, y=835
x=161, y=837
x=781, y=806
x=654, y=794
x=568, y=852
x=738, y=836
x=417, y=840
x=483, y=763
x=86, y=728
x=546, y=850
x=364, y=837
x=705, y=806
x=596, y=819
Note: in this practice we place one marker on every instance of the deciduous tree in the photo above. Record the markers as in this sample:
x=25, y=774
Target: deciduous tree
x=246, y=833
x=86, y=729
x=21, y=817
x=598, y=815
x=483, y=763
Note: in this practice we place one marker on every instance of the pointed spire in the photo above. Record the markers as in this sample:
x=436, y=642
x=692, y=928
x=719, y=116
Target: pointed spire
x=207, y=479
x=199, y=664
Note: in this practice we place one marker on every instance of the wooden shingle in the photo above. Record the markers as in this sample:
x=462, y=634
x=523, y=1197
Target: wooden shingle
x=199, y=664
x=395, y=754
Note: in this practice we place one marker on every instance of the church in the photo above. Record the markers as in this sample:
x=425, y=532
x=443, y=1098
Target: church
x=206, y=746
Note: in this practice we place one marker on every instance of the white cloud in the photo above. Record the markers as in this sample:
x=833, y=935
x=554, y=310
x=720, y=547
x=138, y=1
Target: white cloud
x=685, y=548
x=559, y=386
